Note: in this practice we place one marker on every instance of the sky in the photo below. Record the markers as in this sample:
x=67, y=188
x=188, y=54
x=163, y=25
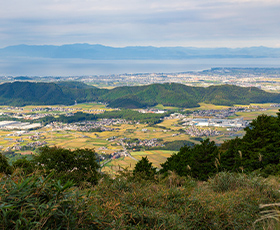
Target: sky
x=120, y=23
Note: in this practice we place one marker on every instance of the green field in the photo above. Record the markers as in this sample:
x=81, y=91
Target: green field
x=162, y=107
x=168, y=130
x=271, y=111
x=157, y=157
x=204, y=106
x=119, y=164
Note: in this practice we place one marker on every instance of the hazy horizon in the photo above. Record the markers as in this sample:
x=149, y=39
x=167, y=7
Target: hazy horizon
x=82, y=67
x=162, y=23
x=175, y=46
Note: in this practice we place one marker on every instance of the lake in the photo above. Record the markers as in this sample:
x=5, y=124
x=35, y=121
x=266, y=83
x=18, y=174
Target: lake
x=80, y=67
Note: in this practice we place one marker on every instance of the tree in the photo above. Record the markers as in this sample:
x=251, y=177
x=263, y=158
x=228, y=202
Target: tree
x=201, y=161
x=27, y=166
x=144, y=169
x=79, y=165
x=231, y=155
x=258, y=150
x=4, y=165
x=261, y=143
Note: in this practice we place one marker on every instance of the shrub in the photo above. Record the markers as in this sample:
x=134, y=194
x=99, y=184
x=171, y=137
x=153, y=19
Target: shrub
x=37, y=202
x=4, y=165
x=144, y=169
x=226, y=181
x=25, y=165
x=79, y=165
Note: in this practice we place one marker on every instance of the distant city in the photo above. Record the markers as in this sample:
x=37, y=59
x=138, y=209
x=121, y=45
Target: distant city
x=267, y=79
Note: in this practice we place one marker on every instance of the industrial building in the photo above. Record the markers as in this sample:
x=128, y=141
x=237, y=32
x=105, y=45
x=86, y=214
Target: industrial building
x=238, y=122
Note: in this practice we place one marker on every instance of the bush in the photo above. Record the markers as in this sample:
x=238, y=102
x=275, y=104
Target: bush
x=226, y=181
x=25, y=165
x=37, y=202
x=79, y=165
x=4, y=165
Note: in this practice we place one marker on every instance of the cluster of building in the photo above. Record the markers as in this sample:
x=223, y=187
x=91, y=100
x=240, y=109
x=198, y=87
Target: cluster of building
x=12, y=108
x=195, y=132
x=88, y=126
x=154, y=142
x=238, y=122
x=65, y=109
x=31, y=145
x=275, y=105
x=223, y=113
x=50, y=108
x=18, y=125
x=175, y=116
x=151, y=111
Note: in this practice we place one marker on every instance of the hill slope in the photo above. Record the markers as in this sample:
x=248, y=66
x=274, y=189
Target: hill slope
x=169, y=94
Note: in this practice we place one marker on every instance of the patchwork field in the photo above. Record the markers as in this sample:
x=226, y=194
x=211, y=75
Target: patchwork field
x=108, y=142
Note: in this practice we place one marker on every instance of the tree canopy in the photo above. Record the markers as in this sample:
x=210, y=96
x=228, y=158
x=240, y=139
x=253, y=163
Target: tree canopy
x=77, y=165
x=198, y=161
x=144, y=169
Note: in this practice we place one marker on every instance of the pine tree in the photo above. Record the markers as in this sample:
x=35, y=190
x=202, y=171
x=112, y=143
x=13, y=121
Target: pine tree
x=144, y=169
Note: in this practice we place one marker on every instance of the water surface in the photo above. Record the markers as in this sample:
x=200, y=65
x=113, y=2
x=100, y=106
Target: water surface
x=79, y=67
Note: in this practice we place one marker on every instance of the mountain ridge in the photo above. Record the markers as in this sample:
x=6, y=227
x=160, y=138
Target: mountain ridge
x=22, y=93
x=101, y=52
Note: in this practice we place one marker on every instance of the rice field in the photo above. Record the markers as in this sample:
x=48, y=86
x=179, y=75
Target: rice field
x=116, y=165
x=157, y=157
x=204, y=106
x=162, y=107
x=99, y=140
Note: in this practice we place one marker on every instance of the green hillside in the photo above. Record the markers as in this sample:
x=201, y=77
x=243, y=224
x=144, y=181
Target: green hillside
x=168, y=94
x=27, y=93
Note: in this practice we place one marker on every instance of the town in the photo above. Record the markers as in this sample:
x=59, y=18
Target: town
x=114, y=139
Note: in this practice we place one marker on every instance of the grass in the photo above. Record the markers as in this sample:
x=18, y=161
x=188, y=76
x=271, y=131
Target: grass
x=226, y=201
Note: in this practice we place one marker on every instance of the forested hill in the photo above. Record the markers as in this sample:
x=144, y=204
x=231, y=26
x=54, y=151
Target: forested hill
x=169, y=94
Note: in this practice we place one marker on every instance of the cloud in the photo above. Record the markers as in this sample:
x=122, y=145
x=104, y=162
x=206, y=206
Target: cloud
x=140, y=22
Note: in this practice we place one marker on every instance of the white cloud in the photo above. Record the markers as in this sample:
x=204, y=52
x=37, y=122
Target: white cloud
x=140, y=22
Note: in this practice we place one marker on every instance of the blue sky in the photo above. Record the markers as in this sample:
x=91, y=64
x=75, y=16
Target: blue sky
x=119, y=23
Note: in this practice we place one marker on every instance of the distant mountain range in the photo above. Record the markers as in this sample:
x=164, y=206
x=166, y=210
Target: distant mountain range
x=100, y=52
x=170, y=94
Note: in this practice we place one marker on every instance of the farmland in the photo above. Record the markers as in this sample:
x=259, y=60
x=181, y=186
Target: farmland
x=110, y=142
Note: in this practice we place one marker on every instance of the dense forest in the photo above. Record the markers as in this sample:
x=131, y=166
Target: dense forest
x=127, y=114
x=203, y=186
x=169, y=94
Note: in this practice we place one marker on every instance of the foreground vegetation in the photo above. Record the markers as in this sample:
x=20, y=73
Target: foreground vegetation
x=226, y=201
